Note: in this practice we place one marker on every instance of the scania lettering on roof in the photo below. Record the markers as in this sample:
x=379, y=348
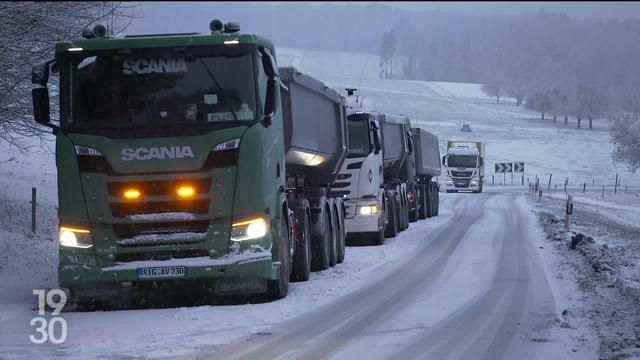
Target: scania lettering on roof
x=157, y=66
x=160, y=153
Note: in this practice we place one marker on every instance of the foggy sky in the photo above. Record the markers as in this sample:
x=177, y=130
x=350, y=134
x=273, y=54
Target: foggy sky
x=190, y=16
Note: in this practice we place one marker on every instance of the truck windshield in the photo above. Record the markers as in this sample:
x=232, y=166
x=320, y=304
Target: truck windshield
x=462, y=161
x=359, y=142
x=160, y=92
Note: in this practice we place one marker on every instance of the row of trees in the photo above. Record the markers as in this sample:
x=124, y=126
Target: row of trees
x=28, y=34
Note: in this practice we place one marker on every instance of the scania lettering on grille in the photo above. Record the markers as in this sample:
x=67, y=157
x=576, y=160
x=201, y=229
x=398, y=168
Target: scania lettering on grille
x=159, y=153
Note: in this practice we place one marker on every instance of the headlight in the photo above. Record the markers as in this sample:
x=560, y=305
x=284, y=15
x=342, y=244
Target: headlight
x=250, y=229
x=73, y=237
x=474, y=182
x=367, y=210
x=87, y=151
x=227, y=145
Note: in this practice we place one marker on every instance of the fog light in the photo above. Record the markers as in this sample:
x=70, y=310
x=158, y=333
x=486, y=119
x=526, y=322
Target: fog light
x=250, y=229
x=368, y=210
x=186, y=191
x=132, y=194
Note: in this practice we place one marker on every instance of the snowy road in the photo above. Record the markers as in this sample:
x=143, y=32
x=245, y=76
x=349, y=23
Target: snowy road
x=475, y=289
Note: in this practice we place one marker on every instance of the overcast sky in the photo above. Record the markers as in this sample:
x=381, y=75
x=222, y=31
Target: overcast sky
x=582, y=9
x=170, y=16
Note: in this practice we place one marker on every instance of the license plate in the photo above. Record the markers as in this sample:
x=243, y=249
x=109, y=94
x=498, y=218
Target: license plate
x=162, y=272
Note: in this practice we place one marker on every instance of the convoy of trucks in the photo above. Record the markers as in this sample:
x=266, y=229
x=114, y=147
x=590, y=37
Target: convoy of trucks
x=194, y=159
x=464, y=163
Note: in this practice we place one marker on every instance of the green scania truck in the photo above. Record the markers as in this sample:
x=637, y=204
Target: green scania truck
x=190, y=160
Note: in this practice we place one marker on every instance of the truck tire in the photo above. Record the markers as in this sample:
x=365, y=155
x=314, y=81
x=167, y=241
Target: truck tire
x=322, y=244
x=302, y=253
x=414, y=214
x=392, y=224
x=437, y=207
x=402, y=211
x=430, y=200
x=342, y=234
x=277, y=289
x=422, y=209
x=333, y=251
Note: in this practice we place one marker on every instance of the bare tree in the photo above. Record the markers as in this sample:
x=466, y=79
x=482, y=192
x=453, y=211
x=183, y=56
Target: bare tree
x=494, y=90
x=27, y=36
x=541, y=102
x=625, y=132
x=516, y=91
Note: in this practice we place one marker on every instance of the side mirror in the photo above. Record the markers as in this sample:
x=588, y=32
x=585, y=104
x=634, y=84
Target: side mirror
x=40, y=98
x=481, y=162
x=269, y=63
x=40, y=94
x=270, y=105
x=376, y=141
x=410, y=143
x=444, y=160
x=40, y=74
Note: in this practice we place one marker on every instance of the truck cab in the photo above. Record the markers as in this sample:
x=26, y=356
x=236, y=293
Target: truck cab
x=361, y=176
x=170, y=156
x=464, y=163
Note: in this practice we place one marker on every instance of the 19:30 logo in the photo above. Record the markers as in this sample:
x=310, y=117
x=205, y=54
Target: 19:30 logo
x=53, y=330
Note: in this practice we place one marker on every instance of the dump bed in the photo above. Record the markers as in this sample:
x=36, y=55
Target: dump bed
x=427, y=152
x=394, y=144
x=315, y=128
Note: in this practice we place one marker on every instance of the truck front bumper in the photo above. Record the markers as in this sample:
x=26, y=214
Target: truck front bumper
x=461, y=184
x=364, y=223
x=226, y=269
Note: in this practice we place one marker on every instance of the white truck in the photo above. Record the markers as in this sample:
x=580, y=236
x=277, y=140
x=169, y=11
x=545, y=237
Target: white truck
x=464, y=164
x=361, y=177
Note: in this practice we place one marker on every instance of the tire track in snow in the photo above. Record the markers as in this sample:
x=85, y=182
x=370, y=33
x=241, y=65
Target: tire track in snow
x=486, y=326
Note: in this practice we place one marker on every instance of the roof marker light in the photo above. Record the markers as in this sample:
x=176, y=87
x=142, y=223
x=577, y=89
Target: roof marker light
x=231, y=42
x=75, y=49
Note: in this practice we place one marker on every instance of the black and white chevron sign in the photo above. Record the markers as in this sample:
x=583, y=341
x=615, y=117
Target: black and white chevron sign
x=503, y=168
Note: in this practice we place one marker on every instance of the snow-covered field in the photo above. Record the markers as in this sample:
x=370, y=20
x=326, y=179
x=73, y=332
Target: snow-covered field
x=29, y=261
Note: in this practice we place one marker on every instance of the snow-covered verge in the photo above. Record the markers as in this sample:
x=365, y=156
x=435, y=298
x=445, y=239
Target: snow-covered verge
x=27, y=260
x=598, y=264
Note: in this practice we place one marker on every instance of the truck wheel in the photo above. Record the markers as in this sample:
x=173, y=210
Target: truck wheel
x=437, y=207
x=392, y=225
x=430, y=201
x=422, y=210
x=342, y=236
x=333, y=253
x=322, y=245
x=402, y=211
x=302, y=253
x=413, y=214
x=279, y=288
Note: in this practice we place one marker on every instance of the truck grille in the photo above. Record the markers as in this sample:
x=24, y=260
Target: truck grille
x=461, y=183
x=125, y=231
x=195, y=207
x=461, y=173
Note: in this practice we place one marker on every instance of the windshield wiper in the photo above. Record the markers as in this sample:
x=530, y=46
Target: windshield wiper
x=224, y=99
